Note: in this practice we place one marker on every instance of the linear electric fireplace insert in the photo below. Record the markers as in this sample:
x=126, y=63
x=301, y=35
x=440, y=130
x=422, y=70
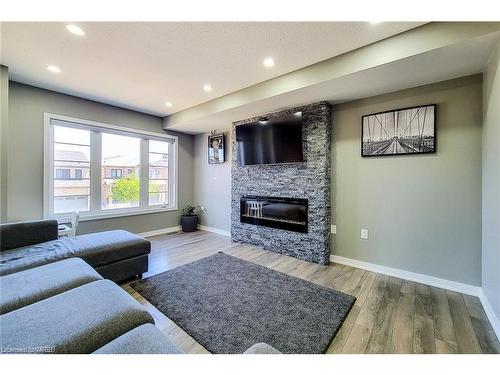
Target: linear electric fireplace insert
x=281, y=213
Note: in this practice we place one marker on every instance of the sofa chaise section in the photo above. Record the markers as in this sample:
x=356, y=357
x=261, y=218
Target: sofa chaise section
x=35, y=284
x=116, y=255
x=80, y=320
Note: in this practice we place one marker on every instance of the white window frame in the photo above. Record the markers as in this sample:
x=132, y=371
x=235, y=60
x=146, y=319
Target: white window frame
x=96, y=128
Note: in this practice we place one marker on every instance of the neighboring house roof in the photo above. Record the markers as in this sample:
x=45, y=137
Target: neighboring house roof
x=112, y=161
x=163, y=162
x=132, y=161
x=121, y=161
x=67, y=155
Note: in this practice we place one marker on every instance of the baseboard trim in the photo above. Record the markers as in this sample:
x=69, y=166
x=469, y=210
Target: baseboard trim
x=161, y=231
x=490, y=313
x=215, y=230
x=411, y=276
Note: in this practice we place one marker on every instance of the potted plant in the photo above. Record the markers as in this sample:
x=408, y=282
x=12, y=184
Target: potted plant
x=189, y=218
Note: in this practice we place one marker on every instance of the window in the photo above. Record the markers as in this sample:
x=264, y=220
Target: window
x=120, y=151
x=158, y=173
x=104, y=171
x=71, y=149
x=115, y=173
x=62, y=174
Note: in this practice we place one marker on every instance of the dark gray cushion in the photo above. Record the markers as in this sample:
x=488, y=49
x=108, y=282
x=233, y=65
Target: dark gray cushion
x=97, y=249
x=26, y=287
x=14, y=235
x=145, y=339
x=80, y=320
x=261, y=348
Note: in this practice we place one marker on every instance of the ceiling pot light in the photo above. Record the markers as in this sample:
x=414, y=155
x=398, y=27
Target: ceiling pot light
x=168, y=104
x=75, y=30
x=207, y=88
x=269, y=62
x=53, y=69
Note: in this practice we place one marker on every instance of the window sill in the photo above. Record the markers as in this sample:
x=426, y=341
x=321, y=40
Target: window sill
x=66, y=218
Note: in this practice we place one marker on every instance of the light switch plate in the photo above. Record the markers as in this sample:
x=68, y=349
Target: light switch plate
x=364, y=234
x=334, y=229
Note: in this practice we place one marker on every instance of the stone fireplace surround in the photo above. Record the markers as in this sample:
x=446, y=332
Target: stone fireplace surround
x=310, y=180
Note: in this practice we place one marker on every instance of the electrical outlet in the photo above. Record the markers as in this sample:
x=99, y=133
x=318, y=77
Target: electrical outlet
x=364, y=234
x=334, y=229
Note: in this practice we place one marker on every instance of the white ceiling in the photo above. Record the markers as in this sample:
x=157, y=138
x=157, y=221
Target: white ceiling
x=442, y=64
x=143, y=64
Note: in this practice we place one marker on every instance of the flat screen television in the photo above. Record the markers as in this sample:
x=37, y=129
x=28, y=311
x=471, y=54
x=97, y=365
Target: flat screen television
x=270, y=141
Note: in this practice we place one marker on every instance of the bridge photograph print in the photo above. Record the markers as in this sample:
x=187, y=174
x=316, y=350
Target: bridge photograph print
x=399, y=132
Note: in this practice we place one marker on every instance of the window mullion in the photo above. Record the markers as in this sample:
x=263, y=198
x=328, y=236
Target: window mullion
x=50, y=171
x=95, y=172
x=144, y=171
x=172, y=174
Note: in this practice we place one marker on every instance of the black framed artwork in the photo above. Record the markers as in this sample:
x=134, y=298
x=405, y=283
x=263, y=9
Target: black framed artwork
x=399, y=132
x=216, y=149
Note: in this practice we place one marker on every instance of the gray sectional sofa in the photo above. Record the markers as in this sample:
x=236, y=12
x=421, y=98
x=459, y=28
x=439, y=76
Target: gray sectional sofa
x=54, y=297
x=67, y=307
x=116, y=255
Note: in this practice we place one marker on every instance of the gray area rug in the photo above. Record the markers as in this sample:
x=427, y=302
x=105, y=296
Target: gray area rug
x=228, y=304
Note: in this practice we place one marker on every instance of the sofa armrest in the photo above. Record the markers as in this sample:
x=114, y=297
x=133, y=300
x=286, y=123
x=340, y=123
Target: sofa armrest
x=27, y=233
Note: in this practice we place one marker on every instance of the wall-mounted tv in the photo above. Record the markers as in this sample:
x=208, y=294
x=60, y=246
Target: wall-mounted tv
x=270, y=141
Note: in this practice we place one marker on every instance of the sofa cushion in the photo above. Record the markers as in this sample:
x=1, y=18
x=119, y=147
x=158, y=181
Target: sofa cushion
x=26, y=287
x=97, y=249
x=80, y=320
x=14, y=235
x=261, y=348
x=145, y=339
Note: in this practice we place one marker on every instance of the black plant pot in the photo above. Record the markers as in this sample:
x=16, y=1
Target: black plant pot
x=189, y=223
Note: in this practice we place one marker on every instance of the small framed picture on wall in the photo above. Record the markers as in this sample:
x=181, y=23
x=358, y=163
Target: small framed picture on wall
x=216, y=149
x=402, y=131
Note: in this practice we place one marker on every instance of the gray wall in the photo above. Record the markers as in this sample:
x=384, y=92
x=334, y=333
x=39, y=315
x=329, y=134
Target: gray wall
x=423, y=212
x=27, y=105
x=491, y=185
x=212, y=184
x=440, y=221
x=4, y=117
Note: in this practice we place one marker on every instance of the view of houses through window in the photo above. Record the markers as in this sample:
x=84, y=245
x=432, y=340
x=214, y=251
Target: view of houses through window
x=158, y=172
x=72, y=169
x=120, y=167
x=120, y=184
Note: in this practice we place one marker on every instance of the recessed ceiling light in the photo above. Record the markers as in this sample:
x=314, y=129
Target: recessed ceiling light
x=269, y=62
x=75, y=30
x=53, y=69
x=207, y=88
x=168, y=104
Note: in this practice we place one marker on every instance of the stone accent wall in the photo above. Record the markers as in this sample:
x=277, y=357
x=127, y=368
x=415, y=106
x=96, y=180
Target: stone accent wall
x=310, y=180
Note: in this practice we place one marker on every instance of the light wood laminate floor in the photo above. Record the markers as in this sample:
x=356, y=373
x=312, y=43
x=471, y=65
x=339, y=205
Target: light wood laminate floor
x=391, y=315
